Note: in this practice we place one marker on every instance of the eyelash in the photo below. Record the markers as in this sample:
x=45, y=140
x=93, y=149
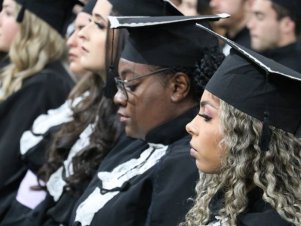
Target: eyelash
x=206, y=117
x=100, y=26
x=132, y=87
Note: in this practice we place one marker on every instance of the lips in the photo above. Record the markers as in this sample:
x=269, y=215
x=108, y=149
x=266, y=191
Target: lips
x=122, y=117
x=193, y=152
x=72, y=56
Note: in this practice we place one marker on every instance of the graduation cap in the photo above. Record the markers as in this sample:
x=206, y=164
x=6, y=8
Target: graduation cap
x=293, y=6
x=88, y=8
x=53, y=12
x=167, y=40
x=137, y=8
x=259, y=87
x=145, y=7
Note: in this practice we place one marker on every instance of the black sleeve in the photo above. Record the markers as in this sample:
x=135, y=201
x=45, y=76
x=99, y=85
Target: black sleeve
x=17, y=113
x=174, y=185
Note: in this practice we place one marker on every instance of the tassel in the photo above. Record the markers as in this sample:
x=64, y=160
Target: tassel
x=266, y=134
x=110, y=89
x=21, y=13
x=298, y=133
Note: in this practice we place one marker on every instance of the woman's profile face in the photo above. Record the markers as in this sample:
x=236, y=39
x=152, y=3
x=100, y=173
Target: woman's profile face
x=73, y=42
x=206, y=135
x=8, y=25
x=93, y=38
x=147, y=104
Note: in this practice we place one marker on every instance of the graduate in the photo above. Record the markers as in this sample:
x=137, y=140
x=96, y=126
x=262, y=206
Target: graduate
x=245, y=146
x=160, y=77
x=34, y=81
x=65, y=146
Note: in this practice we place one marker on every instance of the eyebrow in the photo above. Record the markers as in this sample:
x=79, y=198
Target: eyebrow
x=98, y=16
x=204, y=103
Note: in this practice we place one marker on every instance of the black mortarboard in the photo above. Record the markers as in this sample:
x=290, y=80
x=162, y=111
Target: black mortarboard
x=259, y=87
x=54, y=12
x=144, y=7
x=293, y=6
x=88, y=8
x=165, y=41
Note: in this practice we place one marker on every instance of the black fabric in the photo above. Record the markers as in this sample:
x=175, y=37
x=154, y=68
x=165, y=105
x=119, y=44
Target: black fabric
x=165, y=41
x=144, y=8
x=35, y=157
x=45, y=90
x=257, y=213
x=54, y=12
x=88, y=8
x=49, y=212
x=289, y=55
x=160, y=195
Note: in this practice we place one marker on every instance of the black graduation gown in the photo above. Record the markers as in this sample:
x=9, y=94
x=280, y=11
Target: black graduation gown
x=289, y=55
x=54, y=213
x=257, y=213
x=47, y=89
x=34, y=145
x=149, y=186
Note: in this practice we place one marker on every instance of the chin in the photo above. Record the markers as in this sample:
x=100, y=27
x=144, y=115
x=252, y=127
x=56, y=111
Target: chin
x=133, y=134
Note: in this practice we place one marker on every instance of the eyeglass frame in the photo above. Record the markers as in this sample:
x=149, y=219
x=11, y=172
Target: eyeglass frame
x=120, y=84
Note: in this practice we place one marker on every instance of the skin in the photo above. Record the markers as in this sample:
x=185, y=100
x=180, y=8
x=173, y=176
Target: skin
x=238, y=9
x=73, y=43
x=268, y=32
x=8, y=25
x=188, y=7
x=151, y=102
x=206, y=135
x=93, y=38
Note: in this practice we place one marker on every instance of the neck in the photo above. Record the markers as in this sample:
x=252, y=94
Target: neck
x=287, y=40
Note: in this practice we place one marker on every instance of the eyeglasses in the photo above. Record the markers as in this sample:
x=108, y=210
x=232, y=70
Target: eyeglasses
x=123, y=85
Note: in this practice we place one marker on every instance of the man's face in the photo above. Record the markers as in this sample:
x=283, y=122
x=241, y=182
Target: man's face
x=265, y=28
x=236, y=8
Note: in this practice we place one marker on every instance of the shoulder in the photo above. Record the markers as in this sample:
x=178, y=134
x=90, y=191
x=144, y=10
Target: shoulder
x=262, y=214
x=53, y=74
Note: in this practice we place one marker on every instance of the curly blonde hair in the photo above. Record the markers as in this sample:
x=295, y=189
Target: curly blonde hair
x=245, y=166
x=35, y=45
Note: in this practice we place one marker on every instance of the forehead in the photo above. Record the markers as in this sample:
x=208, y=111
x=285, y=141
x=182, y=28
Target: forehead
x=128, y=65
x=82, y=17
x=102, y=8
x=210, y=98
x=9, y=3
x=261, y=4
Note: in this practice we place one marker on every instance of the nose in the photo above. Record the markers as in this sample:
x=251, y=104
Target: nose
x=250, y=23
x=119, y=98
x=190, y=128
x=71, y=42
x=83, y=34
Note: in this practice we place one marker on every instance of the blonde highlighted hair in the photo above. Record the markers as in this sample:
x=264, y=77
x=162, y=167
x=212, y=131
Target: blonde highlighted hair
x=35, y=45
x=277, y=172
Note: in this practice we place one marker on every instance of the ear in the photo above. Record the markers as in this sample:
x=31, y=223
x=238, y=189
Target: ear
x=287, y=25
x=180, y=86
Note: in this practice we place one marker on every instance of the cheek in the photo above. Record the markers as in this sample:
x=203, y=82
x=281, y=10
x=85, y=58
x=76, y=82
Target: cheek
x=99, y=49
x=210, y=152
x=9, y=32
